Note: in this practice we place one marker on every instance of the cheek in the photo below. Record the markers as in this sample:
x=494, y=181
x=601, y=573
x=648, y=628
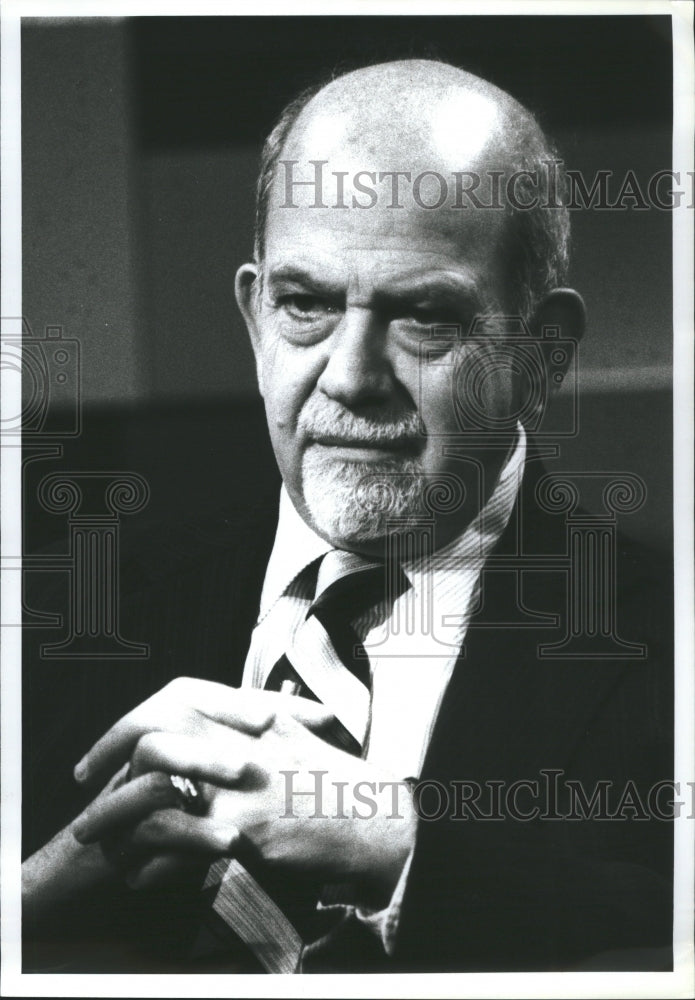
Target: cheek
x=433, y=388
x=289, y=376
x=457, y=394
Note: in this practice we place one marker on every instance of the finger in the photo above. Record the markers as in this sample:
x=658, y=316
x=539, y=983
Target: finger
x=115, y=747
x=172, y=830
x=163, y=869
x=127, y=805
x=119, y=778
x=220, y=757
x=250, y=710
x=183, y=705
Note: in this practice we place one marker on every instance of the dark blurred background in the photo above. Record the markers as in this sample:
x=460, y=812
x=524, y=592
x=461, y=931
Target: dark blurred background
x=140, y=148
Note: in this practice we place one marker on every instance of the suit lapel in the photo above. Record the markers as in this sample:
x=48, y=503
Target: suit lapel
x=508, y=711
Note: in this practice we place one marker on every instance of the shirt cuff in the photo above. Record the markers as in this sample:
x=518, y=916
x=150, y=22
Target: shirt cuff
x=384, y=923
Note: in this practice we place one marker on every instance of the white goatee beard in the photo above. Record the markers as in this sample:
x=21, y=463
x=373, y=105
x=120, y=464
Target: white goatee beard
x=353, y=502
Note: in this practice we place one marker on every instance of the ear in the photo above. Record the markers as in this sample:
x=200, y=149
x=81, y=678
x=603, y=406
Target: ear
x=247, y=291
x=564, y=312
x=560, y=317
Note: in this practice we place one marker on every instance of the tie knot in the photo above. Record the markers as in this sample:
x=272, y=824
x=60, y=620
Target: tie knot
x=350, y=583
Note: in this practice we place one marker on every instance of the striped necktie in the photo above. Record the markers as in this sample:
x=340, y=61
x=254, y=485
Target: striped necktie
x=326, y=662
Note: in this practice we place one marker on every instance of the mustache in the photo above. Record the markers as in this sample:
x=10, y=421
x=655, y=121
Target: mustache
x=327, y=420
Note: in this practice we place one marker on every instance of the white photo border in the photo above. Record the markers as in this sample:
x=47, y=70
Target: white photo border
x=680, y=982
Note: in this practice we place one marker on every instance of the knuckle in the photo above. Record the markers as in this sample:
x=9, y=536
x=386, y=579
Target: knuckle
x=181, y=687
x=145, y=750
x=147, y=742
x=173, y=691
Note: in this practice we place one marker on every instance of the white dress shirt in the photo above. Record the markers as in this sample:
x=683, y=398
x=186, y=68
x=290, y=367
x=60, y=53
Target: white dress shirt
x=413, y=643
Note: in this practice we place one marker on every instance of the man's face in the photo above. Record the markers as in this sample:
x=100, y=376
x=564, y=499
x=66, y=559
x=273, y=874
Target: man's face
x=342, y=311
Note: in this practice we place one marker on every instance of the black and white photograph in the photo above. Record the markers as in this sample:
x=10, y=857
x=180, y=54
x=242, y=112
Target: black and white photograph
x=347, y=365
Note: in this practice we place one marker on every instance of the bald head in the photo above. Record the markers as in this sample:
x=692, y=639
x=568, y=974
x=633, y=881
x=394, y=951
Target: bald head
x=430, y=112
x=426, y=118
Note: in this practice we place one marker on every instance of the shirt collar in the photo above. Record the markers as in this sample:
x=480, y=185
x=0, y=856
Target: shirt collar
x=297, y=545
x=484, y=531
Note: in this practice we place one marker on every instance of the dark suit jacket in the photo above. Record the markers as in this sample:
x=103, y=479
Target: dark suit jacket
x=504, y=893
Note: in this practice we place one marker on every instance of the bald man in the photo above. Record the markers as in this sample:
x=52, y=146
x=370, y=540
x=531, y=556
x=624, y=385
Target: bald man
x=375, y=785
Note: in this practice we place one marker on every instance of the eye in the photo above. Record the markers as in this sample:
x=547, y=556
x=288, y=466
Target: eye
x=306, y=307
x=441, y=325
x=436, y=316
x=430, y=316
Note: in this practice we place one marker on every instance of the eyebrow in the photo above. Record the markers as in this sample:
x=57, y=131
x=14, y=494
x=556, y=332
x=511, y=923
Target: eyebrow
x=441, y=287
x=291, y=274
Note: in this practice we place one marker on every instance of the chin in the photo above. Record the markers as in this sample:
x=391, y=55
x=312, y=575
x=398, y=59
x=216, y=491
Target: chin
x=354, y=503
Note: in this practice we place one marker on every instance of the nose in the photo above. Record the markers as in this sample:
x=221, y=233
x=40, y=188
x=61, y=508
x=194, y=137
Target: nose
x=357, y=369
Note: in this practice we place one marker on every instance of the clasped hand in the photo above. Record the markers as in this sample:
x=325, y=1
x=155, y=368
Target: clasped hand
x=273, y=786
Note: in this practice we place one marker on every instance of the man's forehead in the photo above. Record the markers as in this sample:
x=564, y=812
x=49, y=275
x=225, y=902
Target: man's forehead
x=373, y=195
x=395, y=243
x=439, y=131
